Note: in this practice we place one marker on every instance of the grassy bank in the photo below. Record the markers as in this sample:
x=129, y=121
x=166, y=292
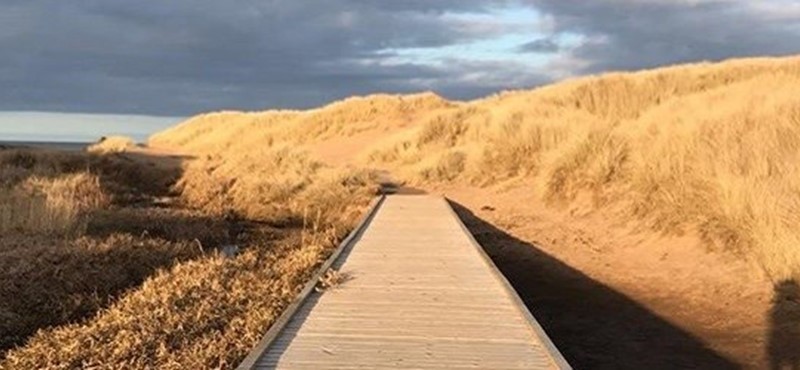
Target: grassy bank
x=708, y=149
x=55, y=268
x=131, y=280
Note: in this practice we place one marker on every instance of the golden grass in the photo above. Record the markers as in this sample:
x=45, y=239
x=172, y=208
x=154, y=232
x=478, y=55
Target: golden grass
x=708, y=148
x=203, y=314
x=112, y=144
x=209, y=311
x=56, y=267
x=275, y=185
x=34, y=198
x=51, y=281
x=249, y=132
x=51, y=206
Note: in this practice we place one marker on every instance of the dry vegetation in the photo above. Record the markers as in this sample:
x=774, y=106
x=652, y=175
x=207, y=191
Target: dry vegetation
x=275, y=185
x=206, y=313
x=709, y=149
x=196, y=307
x=248, y=135
x=112, y=144
x=53, y=269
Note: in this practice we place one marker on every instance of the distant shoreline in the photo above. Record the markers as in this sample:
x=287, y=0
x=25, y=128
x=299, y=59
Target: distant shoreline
x=53, y=145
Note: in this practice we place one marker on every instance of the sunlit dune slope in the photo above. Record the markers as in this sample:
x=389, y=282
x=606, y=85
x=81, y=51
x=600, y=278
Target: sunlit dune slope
x=709, y=149
x=238, y=132
x=258, y=164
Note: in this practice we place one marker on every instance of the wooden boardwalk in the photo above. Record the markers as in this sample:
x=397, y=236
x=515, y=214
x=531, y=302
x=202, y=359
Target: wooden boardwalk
x=420, y=294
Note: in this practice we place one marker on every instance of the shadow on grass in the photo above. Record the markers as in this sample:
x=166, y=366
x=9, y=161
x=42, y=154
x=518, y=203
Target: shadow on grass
x=388, y=186
x=48, y=280
x=592, y=325
x=129, y=177
x=174, y=226
x=783, y=348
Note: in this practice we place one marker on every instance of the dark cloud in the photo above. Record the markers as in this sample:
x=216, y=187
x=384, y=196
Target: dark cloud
x=627, y=34
x=179, y=57
x=543, y=45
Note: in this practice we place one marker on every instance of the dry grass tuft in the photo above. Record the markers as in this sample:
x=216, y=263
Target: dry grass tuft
x=112, y=144
x=33, y=199
x=276, y=185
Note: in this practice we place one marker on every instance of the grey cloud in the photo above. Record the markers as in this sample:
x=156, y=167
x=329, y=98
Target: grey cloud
x=627, y=34
x=183, y=56
x=179, y=57
x=543, y=45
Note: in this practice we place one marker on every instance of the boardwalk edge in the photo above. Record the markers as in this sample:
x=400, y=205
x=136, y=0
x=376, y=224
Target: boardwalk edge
x=277, y=327
x=558, y=359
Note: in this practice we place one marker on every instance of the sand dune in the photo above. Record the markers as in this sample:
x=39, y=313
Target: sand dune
x=695, y=162
x=705, y=148
x=649, y=212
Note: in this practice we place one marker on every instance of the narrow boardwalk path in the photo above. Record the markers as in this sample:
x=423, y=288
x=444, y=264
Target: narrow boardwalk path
x=419, y=294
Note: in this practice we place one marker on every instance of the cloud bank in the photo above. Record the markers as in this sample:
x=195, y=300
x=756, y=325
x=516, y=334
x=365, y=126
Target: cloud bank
x=181, y=57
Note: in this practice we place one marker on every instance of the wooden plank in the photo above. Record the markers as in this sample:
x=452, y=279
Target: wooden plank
x=539, y=333
x=421, y=293
x=250, y=361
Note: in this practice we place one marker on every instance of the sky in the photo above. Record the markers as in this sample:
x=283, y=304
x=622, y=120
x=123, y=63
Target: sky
x=180, y=57
x=78, y=127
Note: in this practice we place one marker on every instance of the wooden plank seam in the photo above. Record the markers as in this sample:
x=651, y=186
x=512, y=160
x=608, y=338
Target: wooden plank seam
x=250, y=362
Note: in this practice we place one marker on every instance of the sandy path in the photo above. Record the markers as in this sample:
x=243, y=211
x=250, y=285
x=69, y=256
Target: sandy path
x=612, y=298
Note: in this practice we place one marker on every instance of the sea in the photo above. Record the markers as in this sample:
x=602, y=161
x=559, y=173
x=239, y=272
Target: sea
x=51, y=145
x=74, y=131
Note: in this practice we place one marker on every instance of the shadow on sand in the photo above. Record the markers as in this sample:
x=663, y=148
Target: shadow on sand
x=783, y=348
x=593, y=326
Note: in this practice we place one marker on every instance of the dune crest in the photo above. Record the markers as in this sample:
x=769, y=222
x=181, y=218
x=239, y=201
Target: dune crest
x=709, y=147
x=677, y=184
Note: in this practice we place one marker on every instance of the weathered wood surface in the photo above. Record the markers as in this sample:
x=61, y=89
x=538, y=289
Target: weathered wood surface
x=419, y=294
